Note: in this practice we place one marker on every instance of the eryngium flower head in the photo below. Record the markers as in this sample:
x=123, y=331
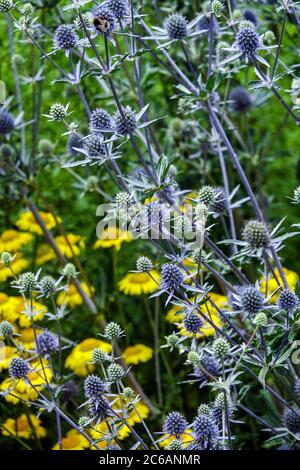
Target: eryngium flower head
x=192, y=322
x=112, y=330
x=84, y=422
x=99, y=409
x=128, y=393
x=93, y=387
x=7, y=122
x=99, y=356
x=206, y=195
x=261, y=320
x=127, y=122
x=57, y=112
x=211, y=365
x=204, y=409
x=220, y=201
x=65, y=37
x=172, y=340
x=144, y=264
x=6, y=258
x=47, y=286
x=287, y=300
x=175, y=445
x=255, y=233
x=297, y=389
x=94, y=146
x=6, y=328
x=47, y=343
x=176, y=26
x=120, y=8
x=69, y=270
x=115, y=372
x=252, y=300
x=250, y=16
x=291, y=420
x=206, y=431
x=171, y=276
x=104, y=20
x=175, y=424
x=221, y=347
x=100, y=119
x=240, y=101
x=27, y=281
x=194, y=358
x=27, y=9
x=18, y=368
x=217, y=7
x=247, y=41
x=74, y=142
x=5, y=5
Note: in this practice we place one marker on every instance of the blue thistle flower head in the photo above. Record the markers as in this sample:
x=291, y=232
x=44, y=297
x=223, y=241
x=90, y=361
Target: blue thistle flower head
x=291, y=420
x=213, y=367
x=99, y=409
x=100, y=119
x=65, y=37
x=252, y=300
x=247, y=41
x=176, y=26
x=287, y=300
x=47, y=343
x=175, y=424
x=192, y=322
x=206, y=431
x=171, y=276
x=240, y=100
x=250, y=16
x=94, y=146
x=7, y=122
x=126, y=123
x=220, y=201
x=93, y=387
x=104, y=20
x=120, y=8
x=18, y=368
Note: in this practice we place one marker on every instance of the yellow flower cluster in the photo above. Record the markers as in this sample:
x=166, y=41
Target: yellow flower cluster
x=28, y=223
x=137, y=353
x=24, y=427
x=71, y=296
x=270, y=285
x=17, y=266
x=113, y=237
x=139, y=283
x=13, y=309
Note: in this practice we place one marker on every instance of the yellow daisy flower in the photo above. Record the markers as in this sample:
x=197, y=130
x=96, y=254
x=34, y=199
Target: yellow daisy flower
x=12, y=240
x=70, y=244
x=6, y=355
x=113, y=237
x=73, y=441
x=22, y=390
x=78, y=360
x=44, y=254
x=186, y=437
x=139, y=283
x=13, y=310
x=23, y=427
x=137, y=353
x=100, y=431
x=71, y=297
x=18, y=265
x=28, y=223
x=271, y=285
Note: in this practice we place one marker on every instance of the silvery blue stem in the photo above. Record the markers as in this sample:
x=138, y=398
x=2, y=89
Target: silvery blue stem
x=18, y=88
